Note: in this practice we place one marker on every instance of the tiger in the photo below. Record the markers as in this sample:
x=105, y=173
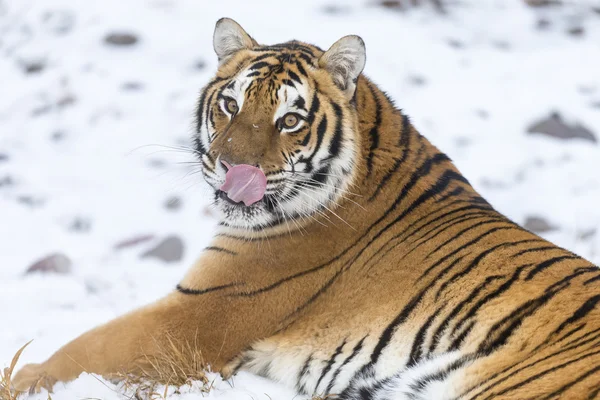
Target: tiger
x=352, y=259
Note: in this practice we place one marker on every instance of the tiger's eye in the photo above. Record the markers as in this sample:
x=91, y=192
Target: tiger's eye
x=290, y=121
x=231, y=106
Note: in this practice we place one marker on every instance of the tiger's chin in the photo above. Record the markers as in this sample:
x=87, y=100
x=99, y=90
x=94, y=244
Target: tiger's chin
x=240, y=216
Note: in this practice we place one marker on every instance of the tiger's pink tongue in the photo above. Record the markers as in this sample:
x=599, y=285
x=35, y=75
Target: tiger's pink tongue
x=244, y=183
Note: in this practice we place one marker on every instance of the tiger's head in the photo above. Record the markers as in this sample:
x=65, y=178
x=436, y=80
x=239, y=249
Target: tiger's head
x=277, y=130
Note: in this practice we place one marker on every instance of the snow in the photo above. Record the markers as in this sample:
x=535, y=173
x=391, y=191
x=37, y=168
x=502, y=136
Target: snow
x=96, y=137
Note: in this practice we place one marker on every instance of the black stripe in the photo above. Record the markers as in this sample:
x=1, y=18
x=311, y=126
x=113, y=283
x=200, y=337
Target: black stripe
x=594, y=394
x=336, y=141
x=306, y=59
x=201, y=102
x=330, y=364
x=536, y=249
x=208, y=108
x=597, y=278
x=302, y=373
x=374, y=132
x=220, y=250
x=581, y=338
x=422, y=383
x=437, y=335
x=580, y=378
x=449, y=224
x=263, y=56
x=183, y=290
x=301, y=69
x=294, y=76
x=314, y=108
x=541, y=374
x=570, y=333
x=461, y=248
x=259, y=65
x=300, y=103
x=354, y=353
x=501, y=331
x=386, y=335
x=474, y=264
x=200, y=112
x=469, y=210
x=463, y=231
x=321, y=129
x=468, y=207
x=581, y=312
x=577, y=272
x=424, y=170
x=319, y=177
x=490, y=296
x=460, y=338
x=563, y=350
x=547, y=264
x=403, y=144
x=292, y=46
x=288, y=82
x=416, y=352
x=435, y=338
x=307, y=137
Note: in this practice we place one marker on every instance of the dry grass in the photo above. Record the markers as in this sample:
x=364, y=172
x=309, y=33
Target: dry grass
x=175, y=366
x=6, y=389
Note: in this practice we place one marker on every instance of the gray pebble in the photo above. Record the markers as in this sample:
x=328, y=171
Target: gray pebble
x=173, y=203
x=81, y=225
x=121, y=39
x=57, y=263
x=6, y=181
x=169, y=250
x=538, y=224
x=555, y=127
x=133, y=241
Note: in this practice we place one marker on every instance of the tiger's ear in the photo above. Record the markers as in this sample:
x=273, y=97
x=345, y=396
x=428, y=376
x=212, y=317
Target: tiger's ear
x=345, y=60
x=229, y=38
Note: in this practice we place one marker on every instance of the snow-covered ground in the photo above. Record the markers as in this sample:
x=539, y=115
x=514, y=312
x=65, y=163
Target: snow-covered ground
x=90, y=131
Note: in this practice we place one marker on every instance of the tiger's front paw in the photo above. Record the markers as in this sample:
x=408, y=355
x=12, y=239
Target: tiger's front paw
x=32, y=378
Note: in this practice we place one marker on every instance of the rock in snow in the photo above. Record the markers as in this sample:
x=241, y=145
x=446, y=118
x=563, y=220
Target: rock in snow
x=538, y=224
x=173, y=203
x=57, y=263
x=133, y=241
x=121, y=39
x=169, y=250
x=554, y=126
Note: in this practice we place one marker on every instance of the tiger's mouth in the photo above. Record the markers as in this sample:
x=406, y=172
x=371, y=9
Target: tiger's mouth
x=225, y=197
x=267, y=202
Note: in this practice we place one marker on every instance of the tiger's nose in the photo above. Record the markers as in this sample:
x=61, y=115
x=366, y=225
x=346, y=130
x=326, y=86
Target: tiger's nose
x=232, y=161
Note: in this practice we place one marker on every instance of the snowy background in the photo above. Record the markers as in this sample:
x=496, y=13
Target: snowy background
x=97, y=98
